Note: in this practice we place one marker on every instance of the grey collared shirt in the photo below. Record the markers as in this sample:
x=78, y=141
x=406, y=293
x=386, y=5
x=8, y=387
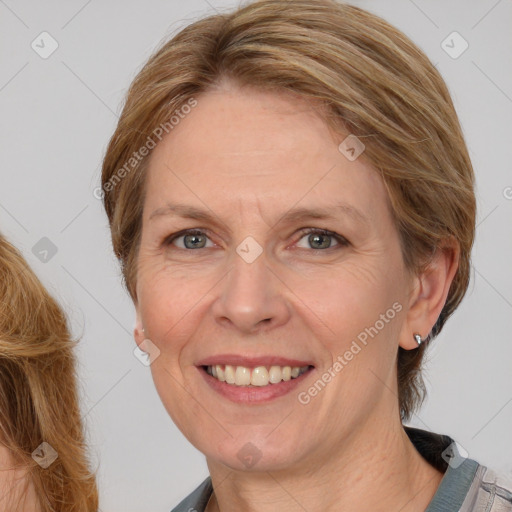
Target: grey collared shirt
x=466, y=485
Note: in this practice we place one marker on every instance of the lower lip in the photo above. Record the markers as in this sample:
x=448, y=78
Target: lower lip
x=253, y=394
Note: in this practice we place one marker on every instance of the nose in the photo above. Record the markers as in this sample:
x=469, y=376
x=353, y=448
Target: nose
x=251, y=297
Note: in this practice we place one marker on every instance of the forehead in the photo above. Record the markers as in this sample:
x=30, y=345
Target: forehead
x=262, y=148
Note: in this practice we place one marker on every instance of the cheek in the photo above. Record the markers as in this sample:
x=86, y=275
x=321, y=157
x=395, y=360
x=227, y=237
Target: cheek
x=356, y=314
x=170, y=305
x=347, y=299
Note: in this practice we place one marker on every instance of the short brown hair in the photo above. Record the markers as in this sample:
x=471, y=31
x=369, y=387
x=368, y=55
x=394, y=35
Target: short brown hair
x=372, y=81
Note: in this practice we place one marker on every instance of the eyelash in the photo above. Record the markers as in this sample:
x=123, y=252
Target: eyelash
x=342, y=241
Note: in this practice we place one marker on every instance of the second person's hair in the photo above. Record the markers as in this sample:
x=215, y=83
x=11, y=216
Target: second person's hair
x=38, y=392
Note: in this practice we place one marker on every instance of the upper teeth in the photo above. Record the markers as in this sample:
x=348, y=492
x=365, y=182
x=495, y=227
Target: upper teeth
x=259, y=376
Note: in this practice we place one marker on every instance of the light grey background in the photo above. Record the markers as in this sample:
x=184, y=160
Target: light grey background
x=57, y=117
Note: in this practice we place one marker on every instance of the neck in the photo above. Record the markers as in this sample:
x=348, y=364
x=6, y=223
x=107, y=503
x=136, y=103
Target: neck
x=376, y=469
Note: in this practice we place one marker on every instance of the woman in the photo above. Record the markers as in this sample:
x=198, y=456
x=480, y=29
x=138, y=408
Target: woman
x=42, y=455
x=291, y=200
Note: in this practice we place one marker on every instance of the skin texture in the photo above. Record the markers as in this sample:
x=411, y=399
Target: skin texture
x=247, y=157
x=17, y=493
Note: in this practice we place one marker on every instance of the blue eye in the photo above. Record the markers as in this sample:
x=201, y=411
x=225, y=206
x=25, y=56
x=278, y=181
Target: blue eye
x=322, y=239
x=319, y=239
x=191, y=239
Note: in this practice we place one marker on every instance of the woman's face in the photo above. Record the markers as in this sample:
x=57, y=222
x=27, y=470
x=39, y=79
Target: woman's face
x=292, y=261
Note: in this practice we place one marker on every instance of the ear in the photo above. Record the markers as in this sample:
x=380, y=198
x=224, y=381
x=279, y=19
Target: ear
x=429, y=292
x=138, y=329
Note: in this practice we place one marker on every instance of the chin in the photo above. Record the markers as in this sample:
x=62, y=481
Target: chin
x=254, y=453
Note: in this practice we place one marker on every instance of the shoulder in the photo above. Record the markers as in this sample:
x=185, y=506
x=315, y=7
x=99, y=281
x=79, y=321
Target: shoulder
x=467, y=486
x=490, y=492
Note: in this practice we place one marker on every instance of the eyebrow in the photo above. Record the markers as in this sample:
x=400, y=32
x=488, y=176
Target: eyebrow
x=302, y=214
x=291, y=216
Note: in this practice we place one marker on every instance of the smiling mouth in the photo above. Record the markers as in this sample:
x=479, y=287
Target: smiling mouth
x=258, y=376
